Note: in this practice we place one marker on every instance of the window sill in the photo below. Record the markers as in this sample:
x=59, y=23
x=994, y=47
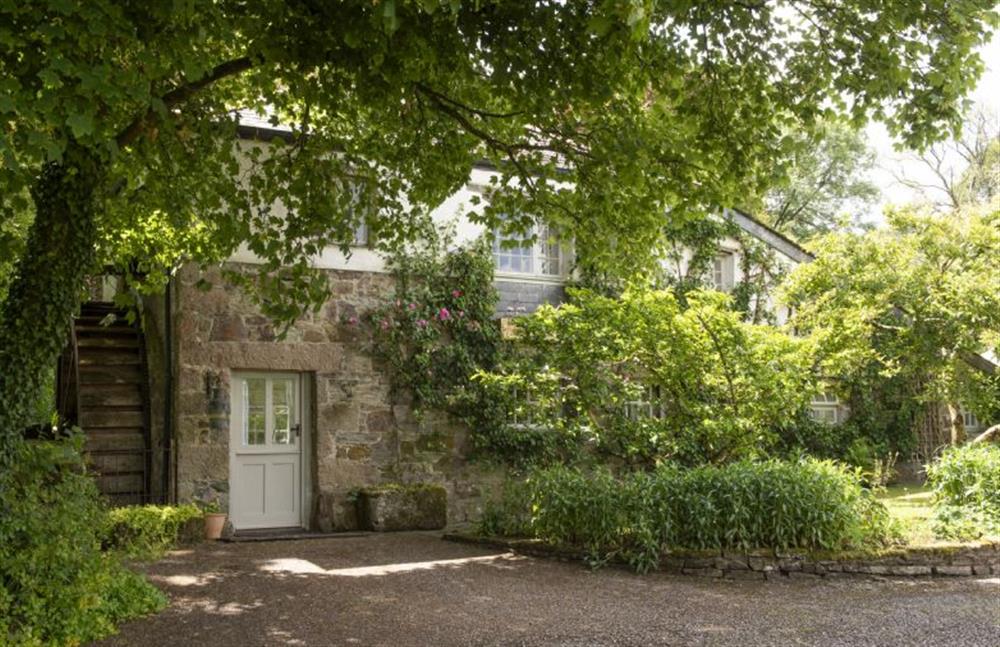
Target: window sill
x=517, y=277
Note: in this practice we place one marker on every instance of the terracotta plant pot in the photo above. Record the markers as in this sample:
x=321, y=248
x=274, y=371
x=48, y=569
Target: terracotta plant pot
x=214, y=523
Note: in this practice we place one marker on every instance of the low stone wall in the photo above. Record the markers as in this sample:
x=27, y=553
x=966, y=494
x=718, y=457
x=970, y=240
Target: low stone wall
x=980, y=560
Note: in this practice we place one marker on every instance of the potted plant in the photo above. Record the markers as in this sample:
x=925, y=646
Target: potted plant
x=215, y=519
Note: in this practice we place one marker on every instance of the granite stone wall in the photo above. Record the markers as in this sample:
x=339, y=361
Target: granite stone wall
x=363, y=434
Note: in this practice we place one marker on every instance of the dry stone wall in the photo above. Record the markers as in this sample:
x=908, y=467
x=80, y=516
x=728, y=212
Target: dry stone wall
x=363, y=433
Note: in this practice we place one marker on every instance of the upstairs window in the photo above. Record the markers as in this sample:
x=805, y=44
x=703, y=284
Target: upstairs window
x=360, y=235
x=724, y=272
x=514, y=253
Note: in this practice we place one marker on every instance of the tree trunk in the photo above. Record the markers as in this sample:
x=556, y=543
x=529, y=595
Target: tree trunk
x=957, y=424
x=45, y=292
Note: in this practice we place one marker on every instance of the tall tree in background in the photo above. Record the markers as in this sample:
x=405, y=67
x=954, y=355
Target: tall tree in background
x=964, y=171
x=827, y=186
x=119, y=126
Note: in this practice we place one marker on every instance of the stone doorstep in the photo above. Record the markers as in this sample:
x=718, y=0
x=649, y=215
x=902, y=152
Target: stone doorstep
x=287, y=534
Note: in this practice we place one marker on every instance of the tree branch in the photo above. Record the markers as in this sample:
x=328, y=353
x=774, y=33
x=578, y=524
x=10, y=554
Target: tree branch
x=230, y=68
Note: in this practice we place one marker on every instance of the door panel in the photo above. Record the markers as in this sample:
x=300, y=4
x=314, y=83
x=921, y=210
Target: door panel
x=266, y=451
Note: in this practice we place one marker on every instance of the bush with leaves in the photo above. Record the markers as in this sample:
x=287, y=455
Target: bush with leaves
x=57, y=586
x=643, y=379
x=966, y=483
x=148, y=531
x=635, y=517
x=437, y=329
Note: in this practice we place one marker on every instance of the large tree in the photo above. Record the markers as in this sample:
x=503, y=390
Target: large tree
x=918, y=301
x=827, y=185
x=119, y=124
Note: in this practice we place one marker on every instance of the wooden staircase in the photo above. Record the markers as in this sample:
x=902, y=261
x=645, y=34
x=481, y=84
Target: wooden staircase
x=111, y=400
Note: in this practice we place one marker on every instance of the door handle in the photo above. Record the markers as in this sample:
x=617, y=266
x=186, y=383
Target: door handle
x=297, y=428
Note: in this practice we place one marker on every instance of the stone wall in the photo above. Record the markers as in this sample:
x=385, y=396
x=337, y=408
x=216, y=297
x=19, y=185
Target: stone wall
x=981, y=559
x=362, y=433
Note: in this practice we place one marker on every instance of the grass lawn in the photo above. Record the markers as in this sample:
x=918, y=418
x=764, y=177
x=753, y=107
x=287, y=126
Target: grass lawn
x=911, y=506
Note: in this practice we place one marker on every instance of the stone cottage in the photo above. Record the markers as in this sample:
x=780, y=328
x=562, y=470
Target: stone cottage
x=204, y=403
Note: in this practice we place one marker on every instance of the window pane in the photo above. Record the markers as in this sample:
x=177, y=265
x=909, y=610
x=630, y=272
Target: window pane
x=281, y=406
x=254, y=419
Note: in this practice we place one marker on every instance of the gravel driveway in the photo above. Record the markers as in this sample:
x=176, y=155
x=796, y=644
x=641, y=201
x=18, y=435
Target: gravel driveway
x=415, y=589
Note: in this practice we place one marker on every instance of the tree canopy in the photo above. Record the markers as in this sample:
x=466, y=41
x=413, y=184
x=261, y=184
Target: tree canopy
x=920, y=300
x=827, y=185
x=120, y=120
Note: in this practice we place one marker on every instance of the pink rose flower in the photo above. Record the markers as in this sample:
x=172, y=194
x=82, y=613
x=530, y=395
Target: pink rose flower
x=456, y=293
x=422, y=323
x=412, y=306
x=443, y=314
x=461, y=313
x=353, y=321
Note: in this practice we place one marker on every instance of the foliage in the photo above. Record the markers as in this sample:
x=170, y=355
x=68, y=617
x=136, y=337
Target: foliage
x=917, y=302
x=437, y=329
x=149, y=531
x=966, y=484
x=643, y=379
x=827, y=186
x=808, y=504
x=598, y=116
x=56, y=585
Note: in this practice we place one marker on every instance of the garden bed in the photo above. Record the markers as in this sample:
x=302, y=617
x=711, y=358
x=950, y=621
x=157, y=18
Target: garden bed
x=944, y=560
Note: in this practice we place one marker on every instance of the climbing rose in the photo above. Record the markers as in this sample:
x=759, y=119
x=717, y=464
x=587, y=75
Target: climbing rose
x=412, y=306
x=422, y=323
x=443, y=314
x=456, y=293
x=353, y=321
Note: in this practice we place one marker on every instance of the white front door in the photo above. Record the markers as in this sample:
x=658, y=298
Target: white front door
x=265, y=446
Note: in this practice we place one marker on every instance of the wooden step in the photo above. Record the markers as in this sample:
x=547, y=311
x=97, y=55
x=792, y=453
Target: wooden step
x=114, y=395
x=111, y=417
x=101, y=374
x=116, y=463
x=124, y=342
x=131, y=484
x=112, y=440
x=108, y=357
x=90, y=325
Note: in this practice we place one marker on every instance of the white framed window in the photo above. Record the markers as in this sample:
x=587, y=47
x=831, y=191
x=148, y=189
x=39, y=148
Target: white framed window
x=825, y=408
x=268, y=411
x=522, y=416
x=361, y=235
x=649, y=406
x=724, y=271
x=514, y=253
x=969, y=419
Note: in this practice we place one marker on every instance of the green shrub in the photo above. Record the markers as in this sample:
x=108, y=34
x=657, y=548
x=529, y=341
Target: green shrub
x=808, y=504
x=966, y=484
x=56, y=584
x=147, y=532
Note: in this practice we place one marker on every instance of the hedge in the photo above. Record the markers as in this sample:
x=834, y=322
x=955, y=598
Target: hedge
x=808, y=504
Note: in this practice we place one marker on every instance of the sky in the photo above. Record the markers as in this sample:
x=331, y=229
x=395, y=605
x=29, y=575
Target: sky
x=889, y=160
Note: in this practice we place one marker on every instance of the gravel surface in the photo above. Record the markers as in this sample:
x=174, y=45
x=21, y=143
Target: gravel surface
x=415, y=589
